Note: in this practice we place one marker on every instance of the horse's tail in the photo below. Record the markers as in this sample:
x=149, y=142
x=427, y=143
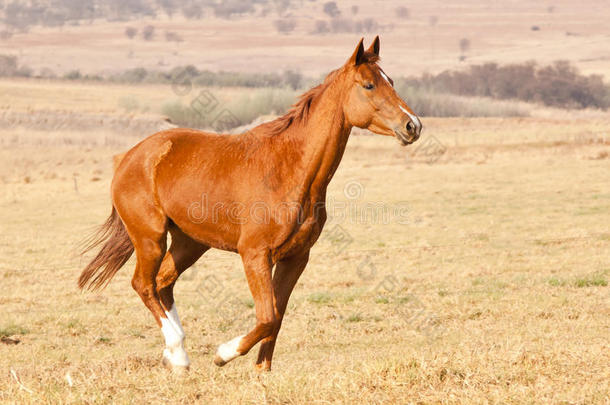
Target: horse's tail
x=117, y=249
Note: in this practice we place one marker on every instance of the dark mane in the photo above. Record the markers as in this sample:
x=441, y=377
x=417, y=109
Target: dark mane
x=299, y=112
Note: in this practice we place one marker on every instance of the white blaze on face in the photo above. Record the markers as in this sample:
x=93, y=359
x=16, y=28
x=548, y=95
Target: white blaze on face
x=413, y=118
x=174, y=339
x=387, y=79
x=228, y=351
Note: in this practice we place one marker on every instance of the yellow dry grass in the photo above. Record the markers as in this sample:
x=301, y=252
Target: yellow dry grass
x=27, y=95
x=486, y=281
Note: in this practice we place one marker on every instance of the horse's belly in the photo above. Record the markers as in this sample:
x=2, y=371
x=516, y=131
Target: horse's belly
x=205, y=227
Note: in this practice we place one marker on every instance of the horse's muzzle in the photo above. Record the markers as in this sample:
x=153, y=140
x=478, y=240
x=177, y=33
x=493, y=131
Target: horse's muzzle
x=406, y=137
x=409, y=132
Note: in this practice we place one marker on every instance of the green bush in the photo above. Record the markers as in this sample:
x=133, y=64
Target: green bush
x=73, y=75
x=558, y=85
x=284, y=26
x=24, y=14
x=428, y=103
x=10, y=68
x=230, y=8
x=8, y=65
x=242, y=110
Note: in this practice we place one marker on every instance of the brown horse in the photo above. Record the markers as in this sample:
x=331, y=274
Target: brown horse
x=281, y=167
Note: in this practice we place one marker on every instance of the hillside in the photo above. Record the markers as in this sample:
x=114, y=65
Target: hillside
x=425, y=36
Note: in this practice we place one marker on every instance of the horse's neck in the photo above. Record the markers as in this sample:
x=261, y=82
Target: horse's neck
x=324, y=137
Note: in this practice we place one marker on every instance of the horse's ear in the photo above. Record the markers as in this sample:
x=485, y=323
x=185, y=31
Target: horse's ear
x=356, y=57
x=374, y=48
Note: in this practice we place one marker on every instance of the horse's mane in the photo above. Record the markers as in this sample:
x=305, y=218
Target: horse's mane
x=299, y=112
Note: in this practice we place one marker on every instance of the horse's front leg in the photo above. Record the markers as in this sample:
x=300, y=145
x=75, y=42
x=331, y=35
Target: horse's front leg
x=257, y=264
x=285, y=277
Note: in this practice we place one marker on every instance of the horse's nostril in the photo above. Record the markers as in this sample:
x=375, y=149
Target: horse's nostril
x=410, y=127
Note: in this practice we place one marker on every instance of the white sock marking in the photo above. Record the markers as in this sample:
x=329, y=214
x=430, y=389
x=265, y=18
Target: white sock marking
x=174, y=342
x=177, y=356
x=414, y=119
x=228, y=351
x=172, y=315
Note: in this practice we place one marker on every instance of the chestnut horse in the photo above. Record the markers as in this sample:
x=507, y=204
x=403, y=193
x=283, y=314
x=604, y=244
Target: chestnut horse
x=283, y=166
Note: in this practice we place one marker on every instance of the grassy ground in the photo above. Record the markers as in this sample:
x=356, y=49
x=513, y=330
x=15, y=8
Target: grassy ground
x=92, y=97
x=484, y=278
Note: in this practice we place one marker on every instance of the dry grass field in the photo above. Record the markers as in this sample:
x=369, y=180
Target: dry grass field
x=470, y=267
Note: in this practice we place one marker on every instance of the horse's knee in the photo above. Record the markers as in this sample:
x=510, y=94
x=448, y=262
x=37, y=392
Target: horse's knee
x=165, y=279
x=136, y=284
x=268, y=328
x=151, y=249
x=144, y=288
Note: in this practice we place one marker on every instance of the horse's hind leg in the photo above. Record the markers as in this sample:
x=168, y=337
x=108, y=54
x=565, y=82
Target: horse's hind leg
x=147, y=228
x=182, y=254
x=149, y=252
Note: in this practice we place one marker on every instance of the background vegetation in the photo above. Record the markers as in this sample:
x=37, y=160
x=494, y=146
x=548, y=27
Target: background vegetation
x=487, y=90
x=559, y=85
x=21, y=15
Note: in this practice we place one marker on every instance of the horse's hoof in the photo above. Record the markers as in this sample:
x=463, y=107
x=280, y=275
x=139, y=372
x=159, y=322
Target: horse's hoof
x=228, y=351
x=262, y=367
x=174, y=368
x=219, y=361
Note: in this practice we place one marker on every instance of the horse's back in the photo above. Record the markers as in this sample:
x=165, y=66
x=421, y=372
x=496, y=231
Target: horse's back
x=183, y=172
x=147, y=154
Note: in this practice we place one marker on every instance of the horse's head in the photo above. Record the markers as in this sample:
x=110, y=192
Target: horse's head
x=372, y=103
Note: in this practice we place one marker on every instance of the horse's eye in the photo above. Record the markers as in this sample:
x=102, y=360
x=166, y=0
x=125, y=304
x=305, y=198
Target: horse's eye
x=369, y=86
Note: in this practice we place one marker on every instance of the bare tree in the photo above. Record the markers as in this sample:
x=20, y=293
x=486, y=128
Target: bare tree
x=148, y=33
x=171, y=36
x=192, y=11
x=464, y=48
x=130, y=32
x=331, y=9
x=168, y=6
x=321, y=27
x=284, y=26
x=464, y=45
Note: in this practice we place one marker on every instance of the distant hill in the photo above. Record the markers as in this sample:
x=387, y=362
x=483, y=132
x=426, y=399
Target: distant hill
x=310, y=37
